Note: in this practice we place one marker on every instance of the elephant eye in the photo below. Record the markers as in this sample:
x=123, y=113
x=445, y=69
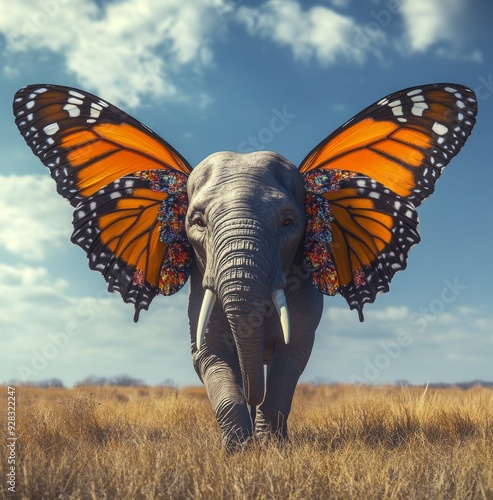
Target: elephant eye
x=197, y=220
x=287, y=222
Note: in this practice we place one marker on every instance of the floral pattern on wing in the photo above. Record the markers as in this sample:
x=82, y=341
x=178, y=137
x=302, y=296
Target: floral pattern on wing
x=318, y=227
x=167, y=181
x=359, y=277
x=175, y=269
x=139, y=278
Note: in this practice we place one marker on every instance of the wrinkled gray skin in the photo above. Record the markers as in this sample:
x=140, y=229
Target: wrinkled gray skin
x=245, y=222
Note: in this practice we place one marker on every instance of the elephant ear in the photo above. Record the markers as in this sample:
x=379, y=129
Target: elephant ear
x=128, y=187
x=364, y=182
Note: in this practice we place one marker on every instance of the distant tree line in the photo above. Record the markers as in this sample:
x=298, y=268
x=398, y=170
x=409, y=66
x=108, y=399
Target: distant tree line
x=128, y=381
x=94, y=380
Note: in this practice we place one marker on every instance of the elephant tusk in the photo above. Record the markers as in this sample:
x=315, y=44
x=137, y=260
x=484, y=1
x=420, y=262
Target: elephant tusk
x=204, y=315
x=279, y=300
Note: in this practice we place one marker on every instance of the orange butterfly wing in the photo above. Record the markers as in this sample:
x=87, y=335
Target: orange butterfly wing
x=128, y=186
x=365, y=180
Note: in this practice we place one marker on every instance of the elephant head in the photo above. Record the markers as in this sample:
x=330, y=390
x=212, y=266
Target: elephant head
x=259, y=238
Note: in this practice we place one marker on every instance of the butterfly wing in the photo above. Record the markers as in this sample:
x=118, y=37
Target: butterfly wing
x=128, y=187
x=365, y=180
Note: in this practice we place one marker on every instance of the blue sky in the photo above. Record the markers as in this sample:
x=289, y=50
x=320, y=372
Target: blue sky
x=210, y=76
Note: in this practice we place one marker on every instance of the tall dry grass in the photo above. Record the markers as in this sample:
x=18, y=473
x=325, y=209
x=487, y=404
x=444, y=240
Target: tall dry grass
x=346, y=442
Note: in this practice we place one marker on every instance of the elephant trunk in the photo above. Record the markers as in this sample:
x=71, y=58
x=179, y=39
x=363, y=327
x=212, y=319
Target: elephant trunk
x=243, y=280
x=246, y=281
x=244, y=303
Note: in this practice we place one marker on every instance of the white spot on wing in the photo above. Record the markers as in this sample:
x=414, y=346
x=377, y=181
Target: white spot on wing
x=419, y=108
x=439, y=128
x=72, y=110
x=95, y=112
x=51, y=129
x=76, y=94
x=397, y=110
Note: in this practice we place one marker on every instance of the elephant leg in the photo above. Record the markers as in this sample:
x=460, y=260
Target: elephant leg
x=272, y=415
x=283, y=371
x=287, y=362
x=222, y=379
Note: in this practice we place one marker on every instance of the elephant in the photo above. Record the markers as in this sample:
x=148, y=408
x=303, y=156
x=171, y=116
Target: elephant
x=246, y=223
x=259, y=240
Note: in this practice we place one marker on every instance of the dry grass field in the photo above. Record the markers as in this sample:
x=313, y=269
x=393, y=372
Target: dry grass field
x=346, y=442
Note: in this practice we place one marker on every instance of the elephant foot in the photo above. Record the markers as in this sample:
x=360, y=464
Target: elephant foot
x=234, y=444
x=266, y=437
x=271, y=426
x=235, y=424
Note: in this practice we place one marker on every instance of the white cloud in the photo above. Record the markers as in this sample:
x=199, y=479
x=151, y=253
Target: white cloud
x=49, y=331
x=340, y=3
x=305, y=32
x=33, y=218
x=378, y=324
x=122, y=50
x=322, y=33
x=430, y=23
x=396, y=343
x=29, y=298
